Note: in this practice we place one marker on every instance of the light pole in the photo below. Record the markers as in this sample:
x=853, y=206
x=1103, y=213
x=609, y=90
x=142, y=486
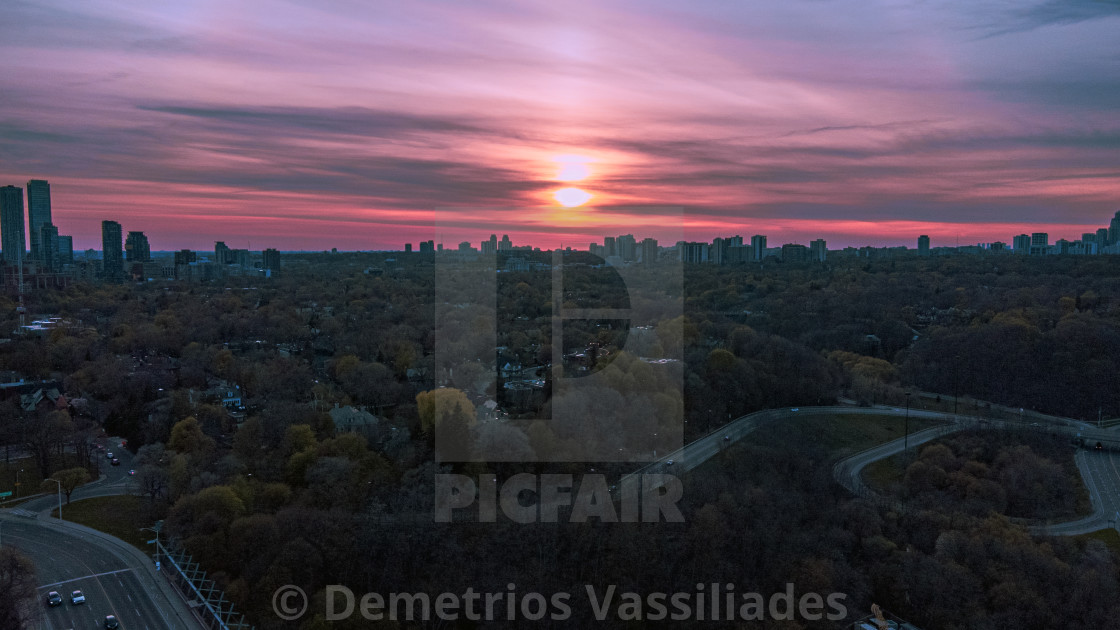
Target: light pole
x=155, y=529
x=17, y=481
x=906, y=439
x=59, y=496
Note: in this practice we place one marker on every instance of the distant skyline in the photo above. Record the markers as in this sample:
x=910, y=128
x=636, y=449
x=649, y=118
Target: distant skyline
x=308, y=125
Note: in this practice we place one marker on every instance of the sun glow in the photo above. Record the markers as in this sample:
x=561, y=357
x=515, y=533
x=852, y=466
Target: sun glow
x=572, y=168
x=571, y=197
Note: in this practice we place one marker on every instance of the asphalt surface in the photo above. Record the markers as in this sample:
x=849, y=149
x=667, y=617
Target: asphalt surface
x=115, y=480
x=701, y=450
x=848, y=471
x=1100, y=469
x=69, y=561
x=116, y=578
x=1101, y=472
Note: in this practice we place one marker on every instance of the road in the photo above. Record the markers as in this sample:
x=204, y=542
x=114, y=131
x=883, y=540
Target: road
x=848, y=471
x=1101, y=469
x=696, y=453
x=1101, y=472
x=67, y=561
x=114, y=481
x=115, y=577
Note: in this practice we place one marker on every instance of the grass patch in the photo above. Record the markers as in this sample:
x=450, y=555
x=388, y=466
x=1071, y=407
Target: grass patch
x=849, y=433
x=120, y=516
x=881, y=475
x=1110, y=537
x=841, y=434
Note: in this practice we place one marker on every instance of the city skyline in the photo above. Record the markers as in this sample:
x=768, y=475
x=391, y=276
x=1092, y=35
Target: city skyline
x=14, y=213
x=309, y=127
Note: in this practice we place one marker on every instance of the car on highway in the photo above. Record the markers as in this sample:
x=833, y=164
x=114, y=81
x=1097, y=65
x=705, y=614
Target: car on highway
x=109, y=455
x=131, y=472
x=77, y=598
x=669, y=463
x=54, y=598
x=111, y=622
x=796, y=409
x=727, y=438
x=115, y=462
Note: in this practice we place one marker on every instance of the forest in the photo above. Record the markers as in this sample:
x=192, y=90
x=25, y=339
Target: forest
x=149, y=362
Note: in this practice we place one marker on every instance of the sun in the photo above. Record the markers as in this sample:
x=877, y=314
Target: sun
x=571, y=197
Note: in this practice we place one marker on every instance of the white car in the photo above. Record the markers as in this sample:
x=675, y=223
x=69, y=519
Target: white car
x=77, y=598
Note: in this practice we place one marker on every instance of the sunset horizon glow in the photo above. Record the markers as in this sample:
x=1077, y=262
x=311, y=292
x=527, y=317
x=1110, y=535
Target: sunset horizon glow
x=311, y=126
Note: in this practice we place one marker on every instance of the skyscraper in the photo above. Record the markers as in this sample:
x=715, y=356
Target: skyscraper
x=271, y=259
x=11, y=224
x=221, y=253
x=1114, y=229
x=649, y=251
x=627, y=247
x=818, y=250
x=38, y=212
x=923, y=245
x=112, y=263
x=1040, y=244
x=48, y=247
x=1021, y=244
x=136, y=248
x=758, y=247
x=609, y=247
x=66, y=249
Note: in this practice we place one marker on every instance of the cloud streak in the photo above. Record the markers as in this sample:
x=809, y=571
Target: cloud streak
x=205, y=120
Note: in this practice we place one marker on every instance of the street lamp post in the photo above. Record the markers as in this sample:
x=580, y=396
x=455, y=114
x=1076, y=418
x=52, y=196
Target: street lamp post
x=59, y=496
x=17, y=481
x=155, y=529
x=906, y=439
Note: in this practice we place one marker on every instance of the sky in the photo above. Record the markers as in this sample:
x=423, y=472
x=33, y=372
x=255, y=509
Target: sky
x=310, y=124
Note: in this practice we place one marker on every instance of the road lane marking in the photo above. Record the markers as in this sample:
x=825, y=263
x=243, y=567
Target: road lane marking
x=86, y=577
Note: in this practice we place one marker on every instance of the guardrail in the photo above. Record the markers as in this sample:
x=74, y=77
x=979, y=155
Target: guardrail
x=188, y=577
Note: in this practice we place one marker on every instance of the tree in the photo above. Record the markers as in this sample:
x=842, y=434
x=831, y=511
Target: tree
x=70, y=479
x=17, y=583
x=187, y=437
x=437, y=403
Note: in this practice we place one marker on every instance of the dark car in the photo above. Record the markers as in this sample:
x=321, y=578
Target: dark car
x=54, y=598
x=111, y=622
x=115, y=462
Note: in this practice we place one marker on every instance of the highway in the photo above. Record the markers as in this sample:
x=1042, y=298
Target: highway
x=701, y=450
x=1100, y=469
x=115, y=577
x=1101, y=472
x=68, y=561
x=848, y=471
